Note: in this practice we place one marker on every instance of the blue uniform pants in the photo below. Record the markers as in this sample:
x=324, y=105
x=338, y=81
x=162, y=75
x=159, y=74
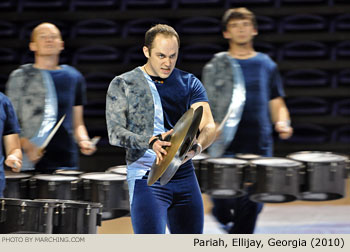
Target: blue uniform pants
x=177, y=204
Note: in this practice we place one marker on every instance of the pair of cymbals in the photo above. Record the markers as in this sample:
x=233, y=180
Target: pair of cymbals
x=181, y=141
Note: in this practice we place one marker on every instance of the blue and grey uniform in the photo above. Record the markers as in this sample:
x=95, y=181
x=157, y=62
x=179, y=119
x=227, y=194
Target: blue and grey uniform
x=138, y=108
x=254, y=132
x=8, y=125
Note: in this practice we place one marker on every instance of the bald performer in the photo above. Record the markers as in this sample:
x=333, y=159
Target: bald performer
x=41, y=94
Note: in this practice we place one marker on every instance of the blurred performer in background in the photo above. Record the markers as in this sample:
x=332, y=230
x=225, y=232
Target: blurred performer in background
x=143, y=106
x=41, y=94
x=245, y=88
x=9, y=138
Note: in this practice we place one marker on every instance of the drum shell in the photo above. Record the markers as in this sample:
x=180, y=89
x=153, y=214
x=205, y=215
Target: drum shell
x=325, y=179
x=17, y=186
x=112, y=194
x=65, y=189
x=322, y=180
x=25, y=216
x=273, y=184
x=226, y=180
x=76, y=217
x=200, y=168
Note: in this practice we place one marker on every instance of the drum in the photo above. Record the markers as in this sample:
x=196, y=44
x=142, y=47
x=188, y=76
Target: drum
x=51, y=186
x=119, y=169
x=225, y=177
x=324, y=175
x=17, y=185
x=25, y=216
x=109, y=189
x=275, y=180
x=200, y=169
x=75, y=217
x=248, y=180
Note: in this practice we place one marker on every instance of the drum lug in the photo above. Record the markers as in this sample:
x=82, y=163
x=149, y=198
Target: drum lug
x=52, y=186
x=74, y=185
x=23, y=211
x=3, y=212
x=88, y=210
x=43, y=217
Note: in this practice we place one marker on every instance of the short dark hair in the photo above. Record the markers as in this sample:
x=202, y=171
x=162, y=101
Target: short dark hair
x=159, y=29
x=238, y=13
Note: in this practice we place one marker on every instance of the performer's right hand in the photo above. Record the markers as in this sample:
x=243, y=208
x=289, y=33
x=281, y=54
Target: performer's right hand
x=159, y=145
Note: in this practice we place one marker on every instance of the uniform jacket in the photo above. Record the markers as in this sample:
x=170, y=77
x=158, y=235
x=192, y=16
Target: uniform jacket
x=217, y=78
x=27, y=91
x=130, y=113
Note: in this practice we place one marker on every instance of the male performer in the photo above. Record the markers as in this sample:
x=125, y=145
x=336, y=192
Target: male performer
x=143, y=106
x=9, y=130
x=41, y=94
x=248, y=84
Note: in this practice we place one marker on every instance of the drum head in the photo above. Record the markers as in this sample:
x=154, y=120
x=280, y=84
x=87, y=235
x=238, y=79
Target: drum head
x=276, y=162
x=227, y=161
x=17, y=175
x=200, y=157
x=103, y=176
x=119, y=169
x=272, y=198
x=317, y=157
x=52, y=177
x=247, y=156
x=69, y=172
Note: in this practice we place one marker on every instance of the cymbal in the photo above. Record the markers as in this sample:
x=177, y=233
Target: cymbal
x=177, y=137
x=184, y=148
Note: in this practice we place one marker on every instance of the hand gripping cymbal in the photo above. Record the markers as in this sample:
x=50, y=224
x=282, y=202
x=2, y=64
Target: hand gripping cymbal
x=181, y=141
x=184, y=148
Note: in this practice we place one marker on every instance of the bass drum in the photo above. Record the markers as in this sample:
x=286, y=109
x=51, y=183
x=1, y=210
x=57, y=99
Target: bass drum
x=51, y=186
x=275, y=180
x=109, y=189
x=26, y=216
x=225, y=177
x=324, y=175
x=17, y=185
x=200, y=168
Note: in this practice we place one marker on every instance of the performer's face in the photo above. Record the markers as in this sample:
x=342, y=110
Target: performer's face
x=240, y=31
x=47, y=40
x=162, y=56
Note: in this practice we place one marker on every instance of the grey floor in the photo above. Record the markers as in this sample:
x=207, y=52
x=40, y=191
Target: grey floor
x=295, y=219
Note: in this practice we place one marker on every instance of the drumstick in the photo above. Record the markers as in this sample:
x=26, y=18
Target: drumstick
x=95, y=140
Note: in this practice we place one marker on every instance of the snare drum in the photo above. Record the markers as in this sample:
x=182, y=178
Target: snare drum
x=200, y=168
x=51, y=186
x=275, y=180
x=25, y=216
x=225, y=177
x=75, y=217
x=324, y=177
x=109, y=189
x=119, y=169
x=17, y=185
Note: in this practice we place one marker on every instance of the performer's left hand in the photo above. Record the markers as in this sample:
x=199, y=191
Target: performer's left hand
x=14, y=163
